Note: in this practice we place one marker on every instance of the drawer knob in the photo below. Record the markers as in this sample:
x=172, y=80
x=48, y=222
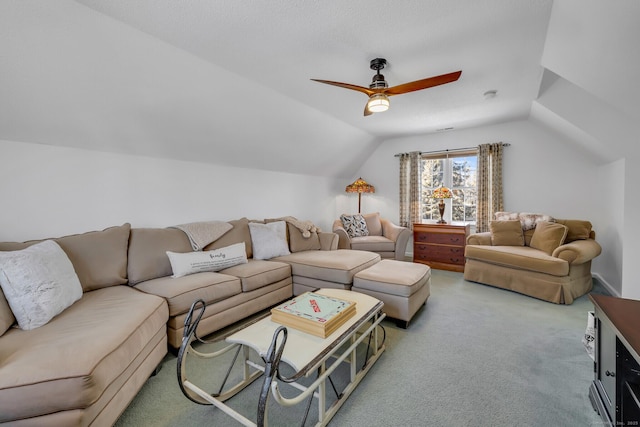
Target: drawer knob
x=610, y=374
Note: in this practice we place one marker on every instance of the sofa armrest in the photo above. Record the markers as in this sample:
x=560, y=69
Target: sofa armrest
x=328, y=241
x=578, y=252
x=344, y=242
x=390, y=230
x=479, y=239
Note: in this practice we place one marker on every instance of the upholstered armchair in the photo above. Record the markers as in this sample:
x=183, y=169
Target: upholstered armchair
x=381, y=235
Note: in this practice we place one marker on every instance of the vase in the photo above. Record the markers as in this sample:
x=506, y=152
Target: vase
x=441, y=209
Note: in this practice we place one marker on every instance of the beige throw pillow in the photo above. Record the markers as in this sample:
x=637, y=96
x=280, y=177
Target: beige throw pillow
x=548, y=236
x=578, y=229
x=298, y=243
x=506, y=233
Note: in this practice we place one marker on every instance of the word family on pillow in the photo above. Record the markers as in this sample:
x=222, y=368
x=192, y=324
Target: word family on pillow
x=269, y=240
x=355, y=225
x=183, y=264
x=39, y=282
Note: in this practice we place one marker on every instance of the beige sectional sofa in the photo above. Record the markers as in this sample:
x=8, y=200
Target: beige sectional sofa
x=552, y=268
x=86, y=364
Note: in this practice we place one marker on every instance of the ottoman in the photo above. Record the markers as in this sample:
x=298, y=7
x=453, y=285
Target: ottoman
x=403, y=287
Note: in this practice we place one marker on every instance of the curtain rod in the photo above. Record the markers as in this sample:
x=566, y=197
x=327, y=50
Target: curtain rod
x=506, y=144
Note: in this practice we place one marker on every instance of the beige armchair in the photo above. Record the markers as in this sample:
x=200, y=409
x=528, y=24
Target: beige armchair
x=385, y=238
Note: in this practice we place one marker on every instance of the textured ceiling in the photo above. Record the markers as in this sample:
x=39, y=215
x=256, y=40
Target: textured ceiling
x=281, y=44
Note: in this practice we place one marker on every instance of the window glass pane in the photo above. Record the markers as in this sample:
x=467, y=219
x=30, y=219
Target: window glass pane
x=458, y=173
x=432, y=178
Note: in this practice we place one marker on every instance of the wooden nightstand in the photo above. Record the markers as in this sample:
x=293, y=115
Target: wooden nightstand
x=440, y=246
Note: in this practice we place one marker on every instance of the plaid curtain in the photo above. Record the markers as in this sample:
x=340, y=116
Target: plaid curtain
x=489, y=184
x=410, y=188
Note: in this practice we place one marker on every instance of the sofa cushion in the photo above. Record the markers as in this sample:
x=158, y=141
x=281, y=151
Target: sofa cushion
x=269, y=240
x=7, y=318
x=373, y=244
x=69, y=363
x=98, y=257
x=259, y=273
x=354, y=225
x=577, y=229
x=520, y=257
x=333, y=266
x=506, y=233
x=298, y=243
x=374, y=225
x=181, y=292
x=183, y=264
x=39, y=283
x=239, y=233
x=148, y=252
x=548, y=236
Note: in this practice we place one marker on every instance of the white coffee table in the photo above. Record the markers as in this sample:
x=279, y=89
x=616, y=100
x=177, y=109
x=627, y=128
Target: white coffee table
x=304, y=353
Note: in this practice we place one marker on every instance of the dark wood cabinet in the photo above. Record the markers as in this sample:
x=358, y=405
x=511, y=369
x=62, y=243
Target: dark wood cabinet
x=615, y=391
x=440, y=246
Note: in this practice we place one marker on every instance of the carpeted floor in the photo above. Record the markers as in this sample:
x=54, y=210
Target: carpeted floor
x=473, y=356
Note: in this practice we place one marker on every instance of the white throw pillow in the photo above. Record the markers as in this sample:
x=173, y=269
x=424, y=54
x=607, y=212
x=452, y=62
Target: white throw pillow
x=183, y=264
x=39, y=283
x=269, y=240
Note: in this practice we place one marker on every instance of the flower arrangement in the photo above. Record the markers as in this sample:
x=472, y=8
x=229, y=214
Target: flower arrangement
x=442, y=193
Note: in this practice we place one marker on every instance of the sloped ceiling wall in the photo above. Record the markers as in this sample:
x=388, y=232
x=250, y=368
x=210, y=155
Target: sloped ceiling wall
x=74, y=77
x=590, y=89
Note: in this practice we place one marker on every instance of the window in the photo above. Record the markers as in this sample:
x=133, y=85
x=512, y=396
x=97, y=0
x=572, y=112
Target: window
x=456, y=171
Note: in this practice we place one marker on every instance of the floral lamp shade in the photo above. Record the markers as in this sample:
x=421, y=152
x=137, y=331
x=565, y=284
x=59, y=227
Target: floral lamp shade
x=442, y=193
x=360, y=186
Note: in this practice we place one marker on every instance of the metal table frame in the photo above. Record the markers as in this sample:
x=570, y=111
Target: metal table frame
x=331, y=353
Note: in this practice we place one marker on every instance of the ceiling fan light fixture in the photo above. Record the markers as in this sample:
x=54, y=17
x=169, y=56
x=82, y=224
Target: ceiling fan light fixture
x=378, y=102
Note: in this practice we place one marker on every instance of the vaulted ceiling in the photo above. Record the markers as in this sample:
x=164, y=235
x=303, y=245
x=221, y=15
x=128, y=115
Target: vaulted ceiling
x=228, y=81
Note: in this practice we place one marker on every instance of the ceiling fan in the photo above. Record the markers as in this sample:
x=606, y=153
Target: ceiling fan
x=379, y=91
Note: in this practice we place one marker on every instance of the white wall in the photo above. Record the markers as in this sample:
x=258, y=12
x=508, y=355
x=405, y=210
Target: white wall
x=610, y=234
x=51, y=191
x=543, y=173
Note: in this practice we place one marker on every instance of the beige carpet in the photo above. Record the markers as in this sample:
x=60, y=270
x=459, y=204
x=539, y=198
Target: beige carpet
x=473, y=356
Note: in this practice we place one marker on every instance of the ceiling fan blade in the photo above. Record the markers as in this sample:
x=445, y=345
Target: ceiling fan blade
x=347, y=86
x=423, y=84
x=367, y=112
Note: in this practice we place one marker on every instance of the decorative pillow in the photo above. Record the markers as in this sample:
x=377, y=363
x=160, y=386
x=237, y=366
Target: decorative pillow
x=506, y=233
x=39, y=283
x=355, y=225
x=530, y=220
x=298, y=243
x=578, y=229
x=6, y=315
x=183, y=264
x=506, y=216
x=269, y=240
x=548, y=236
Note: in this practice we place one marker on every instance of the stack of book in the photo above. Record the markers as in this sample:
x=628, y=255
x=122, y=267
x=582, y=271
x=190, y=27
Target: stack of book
x=313, y=313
